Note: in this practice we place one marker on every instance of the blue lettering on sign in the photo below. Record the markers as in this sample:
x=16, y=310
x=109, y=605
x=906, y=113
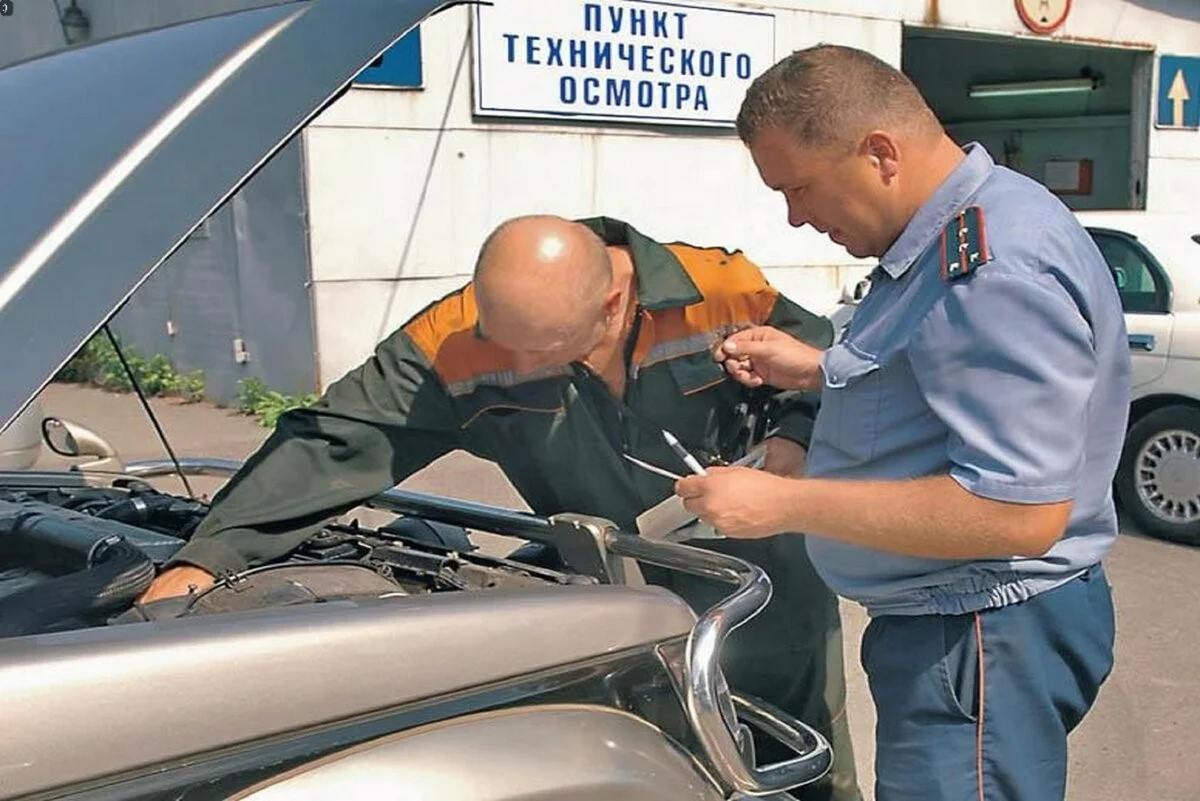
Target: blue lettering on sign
x=743, y=66
x=637, y=22
x=649, y=46
x=554, y=59
x=687, y=62
x=603, y=56
x=625, y=53
x=626, y=93
x=578, y=53
x=662, y=24
x=554, y=51
x=667, y=65
x=1178, y=92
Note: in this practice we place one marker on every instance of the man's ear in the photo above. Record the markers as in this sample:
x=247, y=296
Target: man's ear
x=612, y=300
x=883, y=151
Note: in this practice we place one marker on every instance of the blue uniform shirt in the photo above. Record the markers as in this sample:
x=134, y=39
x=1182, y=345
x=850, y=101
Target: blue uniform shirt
x=990, y=347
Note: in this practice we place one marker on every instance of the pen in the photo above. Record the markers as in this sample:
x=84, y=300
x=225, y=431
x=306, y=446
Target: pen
x=652, y=468
x=687, y=458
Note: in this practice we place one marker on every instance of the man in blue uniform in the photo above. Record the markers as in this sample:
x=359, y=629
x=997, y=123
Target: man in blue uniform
x=972, y=414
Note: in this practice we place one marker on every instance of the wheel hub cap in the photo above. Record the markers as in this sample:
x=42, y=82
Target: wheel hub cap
x=1168, y=476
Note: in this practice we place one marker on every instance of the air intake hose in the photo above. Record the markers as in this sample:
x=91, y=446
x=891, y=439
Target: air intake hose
x=103, y=574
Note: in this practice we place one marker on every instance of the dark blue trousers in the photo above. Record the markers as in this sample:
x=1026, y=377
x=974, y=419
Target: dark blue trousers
x=978, y=707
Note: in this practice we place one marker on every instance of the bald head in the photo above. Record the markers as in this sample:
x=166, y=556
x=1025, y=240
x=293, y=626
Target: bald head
x=541, y=280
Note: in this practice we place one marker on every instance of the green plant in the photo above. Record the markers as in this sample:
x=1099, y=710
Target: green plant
x=266, y=404
x=98, y=364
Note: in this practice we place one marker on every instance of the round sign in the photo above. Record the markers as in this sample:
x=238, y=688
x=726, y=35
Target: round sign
x=1043, y=16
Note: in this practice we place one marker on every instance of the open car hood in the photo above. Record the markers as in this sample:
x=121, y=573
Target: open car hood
x=113, y=153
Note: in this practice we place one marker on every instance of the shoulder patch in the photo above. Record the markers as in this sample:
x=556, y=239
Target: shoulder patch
x=964, y=244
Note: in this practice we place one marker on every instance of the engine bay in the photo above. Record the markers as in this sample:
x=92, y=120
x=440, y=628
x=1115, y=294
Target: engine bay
x=79, y=556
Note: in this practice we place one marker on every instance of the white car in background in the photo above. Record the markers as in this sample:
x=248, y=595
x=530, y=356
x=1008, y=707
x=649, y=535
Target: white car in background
x=1155, y=261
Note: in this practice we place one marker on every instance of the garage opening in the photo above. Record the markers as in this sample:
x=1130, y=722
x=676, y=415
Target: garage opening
x=1075, y=117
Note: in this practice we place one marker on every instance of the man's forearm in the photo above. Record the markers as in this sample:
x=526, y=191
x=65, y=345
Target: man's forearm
x=926, y=517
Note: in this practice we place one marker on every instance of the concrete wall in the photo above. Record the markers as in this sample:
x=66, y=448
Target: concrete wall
x=33, y=29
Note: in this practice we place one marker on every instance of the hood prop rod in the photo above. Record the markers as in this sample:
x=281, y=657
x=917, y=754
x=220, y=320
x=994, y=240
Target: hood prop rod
x=162, y=437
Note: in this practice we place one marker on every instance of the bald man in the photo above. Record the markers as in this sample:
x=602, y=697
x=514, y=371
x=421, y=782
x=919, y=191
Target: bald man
x=575, y=342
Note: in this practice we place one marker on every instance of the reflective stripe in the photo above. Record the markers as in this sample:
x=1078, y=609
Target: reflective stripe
x=504, y=378
x=693, y=343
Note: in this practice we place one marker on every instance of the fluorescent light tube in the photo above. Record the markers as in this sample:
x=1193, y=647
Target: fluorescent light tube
x=1057, y=86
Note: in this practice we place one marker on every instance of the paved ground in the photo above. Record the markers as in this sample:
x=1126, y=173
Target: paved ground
x=1135, y=746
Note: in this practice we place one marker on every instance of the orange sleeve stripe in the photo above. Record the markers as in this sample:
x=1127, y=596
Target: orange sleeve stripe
x=445, y=334
x=441, y=320
x=736, y=295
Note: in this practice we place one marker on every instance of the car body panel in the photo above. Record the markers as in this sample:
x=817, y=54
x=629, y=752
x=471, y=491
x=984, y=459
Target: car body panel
x=1181, y=377
x=1164, y=340
x=288, y=668
x=564, y=752
x=1150, y=338
x=21, y=442
x=1168, y=236
x=193, y=110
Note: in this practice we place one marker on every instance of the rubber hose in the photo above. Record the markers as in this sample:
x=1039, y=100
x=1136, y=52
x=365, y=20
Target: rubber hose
x=163, y=512
x=118, y=575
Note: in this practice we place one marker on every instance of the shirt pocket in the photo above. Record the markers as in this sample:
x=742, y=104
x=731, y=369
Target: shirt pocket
x=697, y=404
x=850, y=401
x=696, y=372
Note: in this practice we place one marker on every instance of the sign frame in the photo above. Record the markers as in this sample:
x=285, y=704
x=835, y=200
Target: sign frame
x=549, y=115
x=1030, y=21
x=1177, y=101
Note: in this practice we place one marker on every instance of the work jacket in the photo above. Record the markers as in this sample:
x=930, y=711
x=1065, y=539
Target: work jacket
x=437, y=385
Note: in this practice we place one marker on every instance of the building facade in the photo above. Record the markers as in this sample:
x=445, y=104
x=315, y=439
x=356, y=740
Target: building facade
x=622, y=108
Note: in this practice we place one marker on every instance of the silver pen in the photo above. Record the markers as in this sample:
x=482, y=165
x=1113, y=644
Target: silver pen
x=688, y=459
x=652, y=468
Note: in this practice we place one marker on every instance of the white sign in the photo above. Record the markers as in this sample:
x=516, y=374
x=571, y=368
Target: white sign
x=622, y=60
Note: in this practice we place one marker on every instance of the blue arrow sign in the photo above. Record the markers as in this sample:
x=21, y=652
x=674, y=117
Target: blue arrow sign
x=1178, y=92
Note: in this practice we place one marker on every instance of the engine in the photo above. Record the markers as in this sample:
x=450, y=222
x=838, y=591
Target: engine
x=81, y=556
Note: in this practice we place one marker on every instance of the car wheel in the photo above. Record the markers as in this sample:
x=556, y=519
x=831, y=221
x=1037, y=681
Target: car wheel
x=1158, y=480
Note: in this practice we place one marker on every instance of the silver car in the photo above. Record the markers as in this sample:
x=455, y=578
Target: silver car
x=396, y=661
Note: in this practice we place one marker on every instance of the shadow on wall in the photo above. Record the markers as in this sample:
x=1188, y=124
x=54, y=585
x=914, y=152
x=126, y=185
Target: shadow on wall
x=1186, y=9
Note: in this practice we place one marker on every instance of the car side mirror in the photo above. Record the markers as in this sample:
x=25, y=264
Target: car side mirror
x=58, y=437
x=71, y=439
